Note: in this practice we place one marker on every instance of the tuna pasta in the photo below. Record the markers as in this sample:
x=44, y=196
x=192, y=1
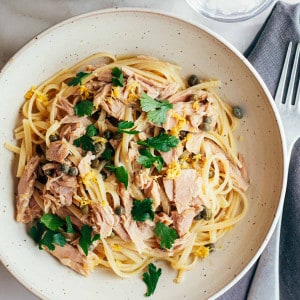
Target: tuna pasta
x=122, y=163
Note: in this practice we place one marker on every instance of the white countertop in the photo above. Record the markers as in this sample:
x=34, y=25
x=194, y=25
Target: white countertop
x=21, y=20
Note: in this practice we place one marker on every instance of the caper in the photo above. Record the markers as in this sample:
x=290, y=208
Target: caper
x=211, y=173
x=119, y=210
x=95, y=163
x=64, y=168
x=205, y=214
x=237, y=112
x=108, y=134
x=85, y=209
x=182, y=134
x=205, y=127
x=73, y=171
x=53, y=137
x=117, y=135
x=48, y=172
x=207, y=119
x=193, y=80
x=211, y=247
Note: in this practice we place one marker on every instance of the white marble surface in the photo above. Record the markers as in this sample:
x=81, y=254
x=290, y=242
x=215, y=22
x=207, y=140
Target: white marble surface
x=21, y=20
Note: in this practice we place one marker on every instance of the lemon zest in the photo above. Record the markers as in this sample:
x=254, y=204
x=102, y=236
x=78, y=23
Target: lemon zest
x=173, y=170
x=30, y=92
x=83, y=90
x=202, y=251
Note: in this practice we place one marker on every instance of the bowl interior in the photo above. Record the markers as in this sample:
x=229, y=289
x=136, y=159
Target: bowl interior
x=133, y=32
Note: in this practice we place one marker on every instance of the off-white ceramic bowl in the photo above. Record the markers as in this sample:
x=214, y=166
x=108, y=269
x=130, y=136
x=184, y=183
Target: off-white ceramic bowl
x=198, y=51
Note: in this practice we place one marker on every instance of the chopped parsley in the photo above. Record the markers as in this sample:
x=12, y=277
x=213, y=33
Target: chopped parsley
x=107, y=153
x=78, y=79
x=163, y=142
x=84, y=108
x=85, y=142
x=122, y=126
x=117, y=77
x=156, y=109
x=151, y=278
x=47, y=232
x=52, y=222
x=146, y=159
x=142, y=210
x=91, y=130
x=120, y=172
x=70, y=228
x=86, y=238
x=166, y=235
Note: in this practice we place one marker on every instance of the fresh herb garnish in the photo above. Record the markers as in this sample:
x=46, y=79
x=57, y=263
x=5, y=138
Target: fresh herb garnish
x=120, y=172
x=84, y=108
x=52, y=222
x=47, y=232
x=78, y=79
x=151, y=278
x=117, y=77
x=85, y=142
x=156, y=109
x=166, y=235
x=163, y=142
x=142, y=210
x=86, y=238
x=122, y=126
x=91, y=130
x=70, y=228
x=107, y=153
x=146, y=159
x=36, y=232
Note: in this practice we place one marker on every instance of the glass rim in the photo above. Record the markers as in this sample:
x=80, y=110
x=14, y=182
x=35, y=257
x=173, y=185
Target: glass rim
x=233, y=17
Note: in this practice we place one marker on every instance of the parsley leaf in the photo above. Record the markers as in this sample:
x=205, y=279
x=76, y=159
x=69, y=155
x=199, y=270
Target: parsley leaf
x=84, y=108
x=47, y=240
x=126, y=125
x=52, y=222
x=86, y=238
x=117, y=77
x=91, y=130
x=166, y=235
x=36, y=232
x=107, y=153
x=163, y=142
x=85, y=142
x=120, y=172
x=156, y=109
x=42, y=235
x=70, y=228
x=151, y=278
x=59, y=239
x=50, y=238
x=78, y=79
x=146, y=159
x=142, y=210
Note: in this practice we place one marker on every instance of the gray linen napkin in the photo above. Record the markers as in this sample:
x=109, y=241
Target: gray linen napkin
x=266, y=53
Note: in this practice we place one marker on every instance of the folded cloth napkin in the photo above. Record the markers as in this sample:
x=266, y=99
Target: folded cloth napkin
x=267, y=53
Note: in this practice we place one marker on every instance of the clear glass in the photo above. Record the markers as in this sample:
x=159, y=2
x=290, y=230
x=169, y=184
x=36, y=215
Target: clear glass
x=229, y=10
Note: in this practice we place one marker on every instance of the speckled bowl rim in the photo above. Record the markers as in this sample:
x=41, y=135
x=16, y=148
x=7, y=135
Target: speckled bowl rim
x=237, y=54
